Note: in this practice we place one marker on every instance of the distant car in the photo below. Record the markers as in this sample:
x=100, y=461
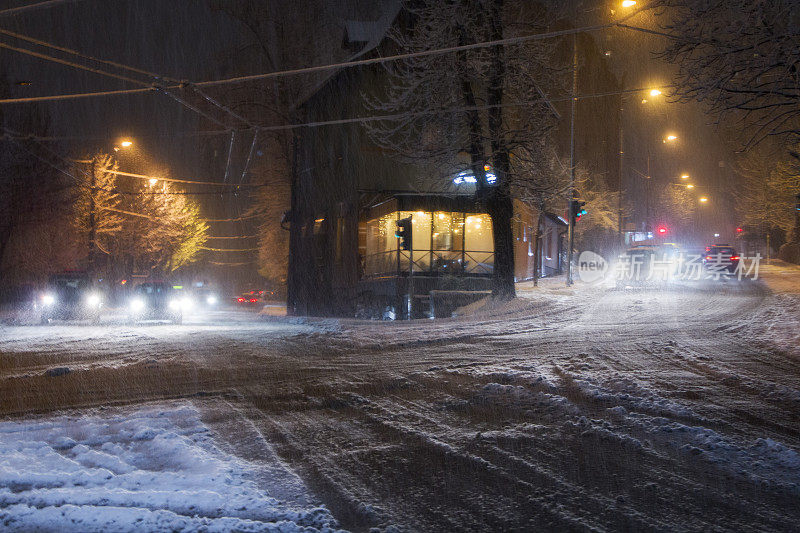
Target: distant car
x=157, y=301
x=634, y=266
x=205, y=299
x=249, y=298
x=721, y=257
x=70, y=296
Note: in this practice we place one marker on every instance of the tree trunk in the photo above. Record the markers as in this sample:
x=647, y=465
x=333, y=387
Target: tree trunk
x=501, y=209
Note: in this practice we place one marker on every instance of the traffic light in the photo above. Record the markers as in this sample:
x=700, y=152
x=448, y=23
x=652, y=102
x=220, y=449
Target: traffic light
x=403, y=233
x=576, y=209
x=662, y=230
x=739, y=230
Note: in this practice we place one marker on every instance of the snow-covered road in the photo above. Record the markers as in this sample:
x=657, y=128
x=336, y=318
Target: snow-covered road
x=567, y=409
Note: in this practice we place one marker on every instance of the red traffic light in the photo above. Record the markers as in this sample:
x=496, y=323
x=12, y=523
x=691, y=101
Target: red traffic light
x=662, y=230
x=739, y=230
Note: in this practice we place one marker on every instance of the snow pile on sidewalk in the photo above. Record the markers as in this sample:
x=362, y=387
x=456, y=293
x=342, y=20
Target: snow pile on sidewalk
x=155, y=469
x=777, y=322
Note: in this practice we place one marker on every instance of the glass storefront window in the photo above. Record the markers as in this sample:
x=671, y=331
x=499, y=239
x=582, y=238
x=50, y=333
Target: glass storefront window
x=420, y=238
x=448, y=242
x=478, y=244
x=444, y=242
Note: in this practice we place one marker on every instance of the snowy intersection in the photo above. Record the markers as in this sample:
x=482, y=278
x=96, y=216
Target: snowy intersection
x=569, y=409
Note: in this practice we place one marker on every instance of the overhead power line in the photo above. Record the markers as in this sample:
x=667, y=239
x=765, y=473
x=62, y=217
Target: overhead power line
x=375, y=118
x=176, y=180
x=341, y=65
x=231, y=236
x=70, y=63
x=31, y=7
x=222, y=263
x=244, y=217
x=229, y=250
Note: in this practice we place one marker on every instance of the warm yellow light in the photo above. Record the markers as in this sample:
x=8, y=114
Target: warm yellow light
x=690, y=186
x=703, y=199
x=684, y=176
x=628, y=3
x=644, y=100
x=441, y=216
x=126, y=144
x=421, y=213
x=671, y=137
x=655, y=92
x=153, y=181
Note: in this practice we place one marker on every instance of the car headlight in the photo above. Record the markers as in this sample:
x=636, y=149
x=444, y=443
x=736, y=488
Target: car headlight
x=137, y=304
x=93, y=300
x=174, y=304
x=48, y=299
x=211, y=300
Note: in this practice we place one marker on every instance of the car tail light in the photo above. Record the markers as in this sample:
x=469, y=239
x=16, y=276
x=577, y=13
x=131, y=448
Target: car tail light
x=253, y=300
x=241, y=299
x=709, y=258
x=734, y=258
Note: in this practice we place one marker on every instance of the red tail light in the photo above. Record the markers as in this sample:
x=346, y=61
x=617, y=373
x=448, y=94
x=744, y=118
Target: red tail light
x=709, y=258
x=240, y=299
x=734, y=258
x=253, y=300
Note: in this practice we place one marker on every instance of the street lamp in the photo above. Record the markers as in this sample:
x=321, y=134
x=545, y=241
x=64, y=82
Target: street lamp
x=654, y=92
x=684, y=176
x=126, y=144
x=628, y=3
x=703, y=200
x=670, y=138
x=689, y=186
x=152, y=181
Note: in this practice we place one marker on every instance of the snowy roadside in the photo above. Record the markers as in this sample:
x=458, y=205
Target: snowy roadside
x=778, y=322
x=155, y=468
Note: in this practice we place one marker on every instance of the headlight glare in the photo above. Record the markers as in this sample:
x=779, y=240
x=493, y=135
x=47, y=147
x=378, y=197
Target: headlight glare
x=137, y=304
x=48, y=299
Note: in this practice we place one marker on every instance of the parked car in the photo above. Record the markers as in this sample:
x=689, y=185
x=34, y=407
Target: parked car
x=70, y=296
x=157, y=300
x=721, y=257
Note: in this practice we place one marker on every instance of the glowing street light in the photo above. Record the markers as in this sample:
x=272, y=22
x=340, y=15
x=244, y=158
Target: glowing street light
x=654, y=92
x=684, y=176
x=671, y=138
x=690, y=186
x=628, y=3
x=126, y=144
x=153, y=181
x=703, y=200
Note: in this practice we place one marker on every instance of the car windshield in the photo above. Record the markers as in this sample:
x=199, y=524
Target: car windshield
x=721, y=250
x=152, y=288
x=69, y=283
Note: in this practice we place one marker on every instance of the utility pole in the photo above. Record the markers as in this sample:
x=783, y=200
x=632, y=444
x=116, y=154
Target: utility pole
x=411, y=272
x=92, y=222
x=571, y=227
x=621, y=162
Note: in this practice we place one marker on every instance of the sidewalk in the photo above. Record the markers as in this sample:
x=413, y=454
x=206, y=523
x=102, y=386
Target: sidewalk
x=780, y=277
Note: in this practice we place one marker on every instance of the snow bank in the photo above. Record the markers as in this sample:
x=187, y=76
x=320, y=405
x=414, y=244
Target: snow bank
x=154, y=469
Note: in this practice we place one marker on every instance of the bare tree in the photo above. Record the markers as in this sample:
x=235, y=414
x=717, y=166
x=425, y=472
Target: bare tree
x=766, y=197
x=487, y=102
x=740, y=58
